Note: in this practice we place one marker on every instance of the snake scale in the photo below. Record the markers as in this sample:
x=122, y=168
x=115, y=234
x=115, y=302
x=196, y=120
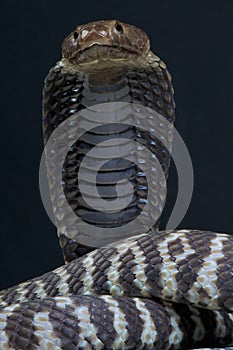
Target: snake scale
x=156, y=290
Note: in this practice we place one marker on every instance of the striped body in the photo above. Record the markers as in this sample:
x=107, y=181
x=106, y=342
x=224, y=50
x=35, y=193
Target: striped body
x=123, y=284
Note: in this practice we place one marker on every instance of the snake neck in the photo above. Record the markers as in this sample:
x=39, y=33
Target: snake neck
x=104, y=73
x=104, y=85
x=70, y=89
x=104, y=79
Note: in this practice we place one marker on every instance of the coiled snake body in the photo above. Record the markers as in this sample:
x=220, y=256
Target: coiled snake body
x=156, y=290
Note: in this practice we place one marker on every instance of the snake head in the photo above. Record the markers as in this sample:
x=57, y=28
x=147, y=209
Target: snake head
x=107, y=40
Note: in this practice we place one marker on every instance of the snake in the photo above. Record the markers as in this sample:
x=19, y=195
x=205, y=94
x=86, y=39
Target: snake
x=168, y=289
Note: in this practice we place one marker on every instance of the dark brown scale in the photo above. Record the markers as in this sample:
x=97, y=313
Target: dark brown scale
x=101, y=263
x=20, y=328
x=153, y=262
x=126, y=277
x=65, y=324
x=74, y=280
x=102, y=318
x=134, y=322
x=50, y=283
x=189, y=266
x=10, y=296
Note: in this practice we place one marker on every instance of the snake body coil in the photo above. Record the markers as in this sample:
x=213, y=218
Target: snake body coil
x=111, y=297
x=158, y=290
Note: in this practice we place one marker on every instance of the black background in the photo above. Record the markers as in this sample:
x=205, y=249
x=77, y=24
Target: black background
x=193, y=37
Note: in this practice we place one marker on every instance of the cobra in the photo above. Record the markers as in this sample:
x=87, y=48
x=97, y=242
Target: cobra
x=156, y=290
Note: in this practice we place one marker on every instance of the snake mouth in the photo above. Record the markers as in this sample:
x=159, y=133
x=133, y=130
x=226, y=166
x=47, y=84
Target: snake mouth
x=112, y=48
x=95, y=54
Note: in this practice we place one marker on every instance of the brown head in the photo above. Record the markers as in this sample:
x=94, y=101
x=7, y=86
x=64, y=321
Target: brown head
x=105, y=41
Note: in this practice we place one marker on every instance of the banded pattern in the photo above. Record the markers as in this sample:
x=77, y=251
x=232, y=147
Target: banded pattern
x=184, y=266
x=106, y=322
x=131, y=268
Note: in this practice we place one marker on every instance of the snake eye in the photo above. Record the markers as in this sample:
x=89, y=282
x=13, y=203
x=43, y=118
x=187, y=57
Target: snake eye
x=119, y=28
x=75, y=35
